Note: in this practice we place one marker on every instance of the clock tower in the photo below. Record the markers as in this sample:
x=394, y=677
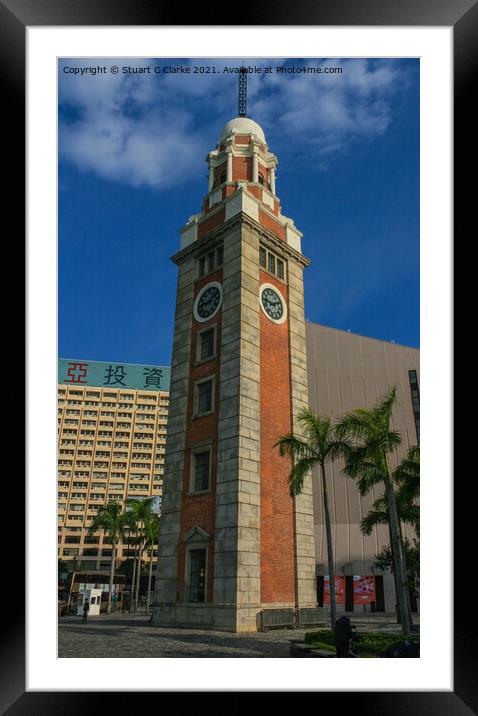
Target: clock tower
x=232, y=540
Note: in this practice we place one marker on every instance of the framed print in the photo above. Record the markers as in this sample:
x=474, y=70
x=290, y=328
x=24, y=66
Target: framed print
x=39, y=42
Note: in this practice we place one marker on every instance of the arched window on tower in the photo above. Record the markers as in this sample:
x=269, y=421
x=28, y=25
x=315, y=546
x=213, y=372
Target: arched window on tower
x=261, y=178
x=223, y=177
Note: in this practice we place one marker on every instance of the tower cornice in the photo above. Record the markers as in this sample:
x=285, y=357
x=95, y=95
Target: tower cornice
x=242, y=200
x=198, y=247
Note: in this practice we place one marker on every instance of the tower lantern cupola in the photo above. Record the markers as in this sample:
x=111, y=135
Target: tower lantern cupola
x=242, y=178
x=243, y=157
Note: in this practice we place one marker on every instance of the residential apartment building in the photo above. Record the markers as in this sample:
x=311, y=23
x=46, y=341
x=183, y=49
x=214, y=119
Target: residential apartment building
x=112, y=420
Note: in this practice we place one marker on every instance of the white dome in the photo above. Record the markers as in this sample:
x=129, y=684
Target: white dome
x=243, y=125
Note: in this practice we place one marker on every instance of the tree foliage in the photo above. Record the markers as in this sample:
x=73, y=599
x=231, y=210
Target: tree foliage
x=406, y=480
x=368, y=439
x=384, y=563
x=316, y=446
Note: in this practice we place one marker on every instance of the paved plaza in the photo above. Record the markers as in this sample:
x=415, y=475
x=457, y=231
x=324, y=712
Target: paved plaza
x=132, y=636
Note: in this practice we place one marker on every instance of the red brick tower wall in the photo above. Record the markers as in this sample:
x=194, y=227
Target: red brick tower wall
x=277, y=521
x=199, y=510
x=242, y=169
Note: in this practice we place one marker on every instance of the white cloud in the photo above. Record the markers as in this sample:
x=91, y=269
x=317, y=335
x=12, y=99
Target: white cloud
x=330, y=110
x=155, y=151
x=155, y=129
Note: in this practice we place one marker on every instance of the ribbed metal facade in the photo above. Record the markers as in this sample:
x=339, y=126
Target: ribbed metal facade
x=348, y=371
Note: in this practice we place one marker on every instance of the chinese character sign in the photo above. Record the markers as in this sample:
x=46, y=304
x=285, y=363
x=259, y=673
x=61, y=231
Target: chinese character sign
x=153, y=377
x=339, y=590
x=364, y=589
x=114, y=375
x=76, y=373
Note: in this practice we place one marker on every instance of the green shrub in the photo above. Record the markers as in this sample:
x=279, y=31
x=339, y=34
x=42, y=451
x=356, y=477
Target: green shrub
x=326, y=636
x=325, y=647
x=368, y=643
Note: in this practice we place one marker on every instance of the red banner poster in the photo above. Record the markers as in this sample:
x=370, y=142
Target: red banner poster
x=364, y=589
x=339, y=590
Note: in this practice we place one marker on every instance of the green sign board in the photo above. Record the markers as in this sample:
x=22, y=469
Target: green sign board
x=113, y=375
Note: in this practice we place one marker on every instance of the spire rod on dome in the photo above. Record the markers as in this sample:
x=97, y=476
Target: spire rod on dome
x=242, y=91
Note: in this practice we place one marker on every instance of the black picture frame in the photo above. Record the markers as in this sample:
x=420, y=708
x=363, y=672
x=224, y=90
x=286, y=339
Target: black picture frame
x=15, y=17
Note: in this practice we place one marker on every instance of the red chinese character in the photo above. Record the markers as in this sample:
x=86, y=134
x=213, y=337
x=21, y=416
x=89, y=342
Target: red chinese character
x=76, y=372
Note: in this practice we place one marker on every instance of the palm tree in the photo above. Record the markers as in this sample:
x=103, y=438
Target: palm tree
x=151, y=538
x=138, y=515
x=407, y=478
x=112, y=520
x=408, y=513
x=133, y=542
x=129, y=542
x=317, y=446
x=367, y=440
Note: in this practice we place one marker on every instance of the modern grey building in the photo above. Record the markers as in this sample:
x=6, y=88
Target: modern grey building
x=347, y=371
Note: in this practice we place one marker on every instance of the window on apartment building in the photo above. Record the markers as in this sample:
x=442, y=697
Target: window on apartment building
x=200, y=469
x=205, y=396
x=197, y=575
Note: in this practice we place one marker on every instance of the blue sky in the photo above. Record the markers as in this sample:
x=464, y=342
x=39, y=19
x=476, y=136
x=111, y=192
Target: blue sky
x=132, y=170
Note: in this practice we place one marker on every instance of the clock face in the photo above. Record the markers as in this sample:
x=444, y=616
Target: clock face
x=208, y=302
x=273, y=304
